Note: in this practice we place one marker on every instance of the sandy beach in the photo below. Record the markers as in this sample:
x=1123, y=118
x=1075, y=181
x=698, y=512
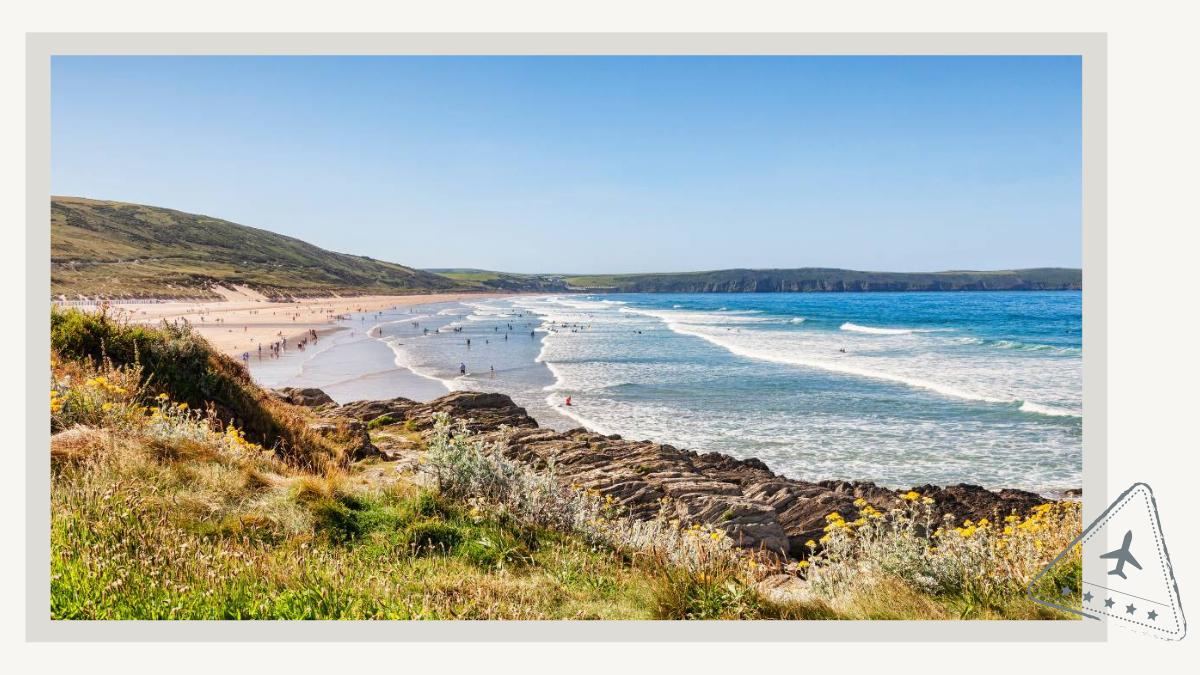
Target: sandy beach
x=245, y=319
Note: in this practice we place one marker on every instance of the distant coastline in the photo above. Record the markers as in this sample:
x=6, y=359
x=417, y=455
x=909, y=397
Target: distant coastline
x=826, y=280
x=121, y=251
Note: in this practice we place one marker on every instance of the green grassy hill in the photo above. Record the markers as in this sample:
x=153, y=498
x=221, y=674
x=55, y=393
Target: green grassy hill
x=506, y=281
x=816, y=279
x=116, y=249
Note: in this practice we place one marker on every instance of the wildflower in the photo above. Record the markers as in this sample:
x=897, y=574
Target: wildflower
x=810, y=543
x=910, y=496
x=162, y=397
x=860, y=502
x=802, y=564
x=182, y=405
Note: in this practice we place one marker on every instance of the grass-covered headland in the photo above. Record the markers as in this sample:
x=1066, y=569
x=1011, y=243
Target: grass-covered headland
x=182, y=490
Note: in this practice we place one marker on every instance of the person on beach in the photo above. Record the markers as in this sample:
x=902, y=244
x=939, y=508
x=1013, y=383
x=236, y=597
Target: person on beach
x=568, y=402
x=462, y=369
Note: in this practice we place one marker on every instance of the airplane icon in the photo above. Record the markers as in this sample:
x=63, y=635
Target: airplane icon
x=1122, y=556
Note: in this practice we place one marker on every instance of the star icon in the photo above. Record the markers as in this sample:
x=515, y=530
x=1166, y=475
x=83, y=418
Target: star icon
x=1087, y=597
x=1152, y=615
x=1108, y=602
x=1066, y=591
x=1130, y=609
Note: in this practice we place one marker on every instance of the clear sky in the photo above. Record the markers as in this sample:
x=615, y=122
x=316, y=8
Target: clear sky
x=596, y=164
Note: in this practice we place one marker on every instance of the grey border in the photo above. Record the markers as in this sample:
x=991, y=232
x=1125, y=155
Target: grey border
x=41, y=46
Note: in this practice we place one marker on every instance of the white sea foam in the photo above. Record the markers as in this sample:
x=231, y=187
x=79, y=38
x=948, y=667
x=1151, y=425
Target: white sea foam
x=855, y=328
x=1039, y=409
x=557, y=404
x=781, y=348
x=699, y=318
x=798, y=319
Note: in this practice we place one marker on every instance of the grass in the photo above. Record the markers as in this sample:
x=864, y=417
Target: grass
x=165, y=509
x=141, y=535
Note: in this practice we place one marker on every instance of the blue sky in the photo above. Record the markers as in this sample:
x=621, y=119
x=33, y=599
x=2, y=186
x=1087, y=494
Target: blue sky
x=596, y=164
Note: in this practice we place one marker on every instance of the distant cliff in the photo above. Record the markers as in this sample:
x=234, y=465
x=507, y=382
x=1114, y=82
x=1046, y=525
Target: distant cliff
x=816, y=279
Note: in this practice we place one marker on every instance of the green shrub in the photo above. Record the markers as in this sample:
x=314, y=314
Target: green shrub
x=431, y=536
x=382, y=421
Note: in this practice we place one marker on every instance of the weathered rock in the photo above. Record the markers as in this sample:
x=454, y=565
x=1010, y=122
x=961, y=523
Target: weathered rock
x=367, y=411
x=483, y=412
x=310, y=397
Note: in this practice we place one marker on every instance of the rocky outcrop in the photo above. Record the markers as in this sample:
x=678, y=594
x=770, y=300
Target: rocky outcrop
x=754, y=506
x=483, y=412
x=368, y=411
x=309, y=397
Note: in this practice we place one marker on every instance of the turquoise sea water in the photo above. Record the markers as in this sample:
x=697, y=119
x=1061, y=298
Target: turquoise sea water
x=899, y=388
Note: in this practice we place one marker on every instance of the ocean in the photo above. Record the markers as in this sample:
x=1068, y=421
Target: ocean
x=898, y=388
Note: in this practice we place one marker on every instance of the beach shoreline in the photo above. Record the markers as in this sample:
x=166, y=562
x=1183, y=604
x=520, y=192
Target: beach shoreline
x=244, y=319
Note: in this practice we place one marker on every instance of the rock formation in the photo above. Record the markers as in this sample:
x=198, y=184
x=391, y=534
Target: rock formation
x=754, y=506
